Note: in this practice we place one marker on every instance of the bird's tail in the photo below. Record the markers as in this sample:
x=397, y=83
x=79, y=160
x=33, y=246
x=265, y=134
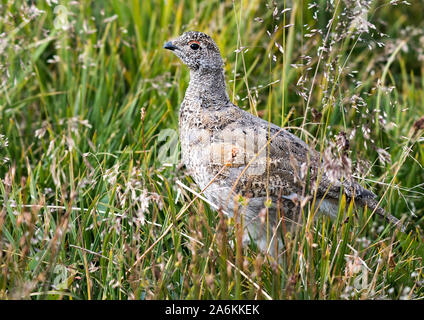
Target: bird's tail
x=372, y=204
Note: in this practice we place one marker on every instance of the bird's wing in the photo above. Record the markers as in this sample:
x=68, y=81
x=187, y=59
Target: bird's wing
x=265, y=159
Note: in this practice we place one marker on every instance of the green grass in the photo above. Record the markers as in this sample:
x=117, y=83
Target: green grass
x=88, y=211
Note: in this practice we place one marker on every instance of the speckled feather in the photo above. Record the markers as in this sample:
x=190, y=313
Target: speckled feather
x=211, y=126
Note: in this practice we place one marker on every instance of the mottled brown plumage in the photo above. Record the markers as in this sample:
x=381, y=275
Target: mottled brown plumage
x=273, y=170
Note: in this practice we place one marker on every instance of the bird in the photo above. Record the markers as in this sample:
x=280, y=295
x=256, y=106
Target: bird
x=250, y=168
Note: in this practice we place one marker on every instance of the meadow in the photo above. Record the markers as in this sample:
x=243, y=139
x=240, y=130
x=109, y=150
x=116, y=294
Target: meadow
x=89, y=210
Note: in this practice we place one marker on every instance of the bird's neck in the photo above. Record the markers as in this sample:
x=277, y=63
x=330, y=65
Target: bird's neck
x=209, y=85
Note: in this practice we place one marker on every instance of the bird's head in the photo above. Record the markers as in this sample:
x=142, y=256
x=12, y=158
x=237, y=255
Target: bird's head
x=196, y=50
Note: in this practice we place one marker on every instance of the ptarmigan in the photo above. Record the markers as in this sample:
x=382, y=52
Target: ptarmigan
x=232, y=154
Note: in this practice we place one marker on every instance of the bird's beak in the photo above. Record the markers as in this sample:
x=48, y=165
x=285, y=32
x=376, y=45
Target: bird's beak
x=170, y=46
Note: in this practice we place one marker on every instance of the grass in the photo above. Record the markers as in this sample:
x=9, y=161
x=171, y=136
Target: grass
x=89, y=212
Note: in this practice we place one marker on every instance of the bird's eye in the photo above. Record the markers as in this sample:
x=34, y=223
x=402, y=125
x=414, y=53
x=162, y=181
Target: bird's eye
x=194, y=46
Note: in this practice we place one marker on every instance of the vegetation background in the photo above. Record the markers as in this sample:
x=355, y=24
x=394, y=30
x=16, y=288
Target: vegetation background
x=88, y=211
